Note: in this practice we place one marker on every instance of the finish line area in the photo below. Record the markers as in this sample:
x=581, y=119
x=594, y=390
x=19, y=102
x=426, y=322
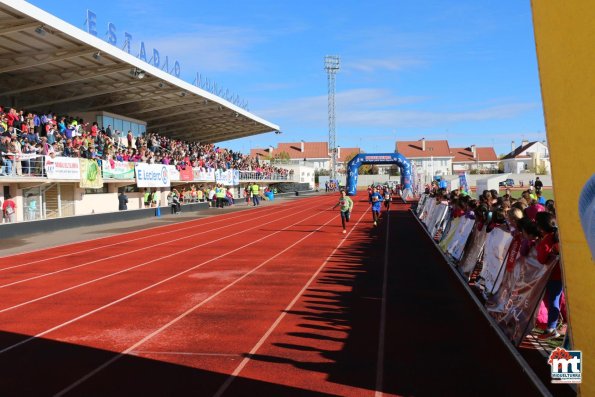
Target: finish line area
x=265, y=301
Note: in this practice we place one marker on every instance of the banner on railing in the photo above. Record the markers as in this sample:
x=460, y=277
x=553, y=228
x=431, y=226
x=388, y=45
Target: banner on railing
x=90, y=174
x=496, y=247
x=228, y=177
x=174, y=174
x=457, y=245
x=151, y=175
x=522, y=291
x=117, y=169
x=204, y=175
x=62, y=168
x=187, y=174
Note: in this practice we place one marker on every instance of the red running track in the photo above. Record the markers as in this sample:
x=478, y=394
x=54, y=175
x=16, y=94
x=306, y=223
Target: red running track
x=267, y=301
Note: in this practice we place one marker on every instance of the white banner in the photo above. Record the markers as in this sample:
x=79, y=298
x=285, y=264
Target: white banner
x=62, y=168
x=151, y=175
x=204, y=175
x=228, y=178
x=496, y=247
x=174, y=174
x=457, y=245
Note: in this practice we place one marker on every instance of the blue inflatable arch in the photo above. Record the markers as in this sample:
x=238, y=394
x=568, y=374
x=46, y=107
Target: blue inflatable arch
x=377, y=158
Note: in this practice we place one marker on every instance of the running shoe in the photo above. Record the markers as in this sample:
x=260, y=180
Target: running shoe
x=375, y=223
x=549, y=334
x=344, y=231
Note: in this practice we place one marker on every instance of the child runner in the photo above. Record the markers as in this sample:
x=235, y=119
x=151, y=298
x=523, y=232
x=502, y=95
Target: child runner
x=387, y=198
x=346, y=206
x=376, y=199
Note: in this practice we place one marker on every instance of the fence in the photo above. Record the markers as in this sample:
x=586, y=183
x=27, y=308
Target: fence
x=56, y=167
x=488, y=257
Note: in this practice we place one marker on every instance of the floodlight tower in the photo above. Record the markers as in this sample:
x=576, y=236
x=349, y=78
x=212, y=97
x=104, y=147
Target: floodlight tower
x=331, y=64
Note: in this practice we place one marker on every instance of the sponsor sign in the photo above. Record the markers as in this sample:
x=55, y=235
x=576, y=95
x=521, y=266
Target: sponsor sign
x=117, y=169
x=204, y=175
x=90, y=174
x=62, y=168
x=151, y=175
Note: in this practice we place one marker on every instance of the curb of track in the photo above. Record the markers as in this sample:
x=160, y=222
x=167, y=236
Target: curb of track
x=525, y=367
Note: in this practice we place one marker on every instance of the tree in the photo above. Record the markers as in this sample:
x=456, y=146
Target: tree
x=282, y=156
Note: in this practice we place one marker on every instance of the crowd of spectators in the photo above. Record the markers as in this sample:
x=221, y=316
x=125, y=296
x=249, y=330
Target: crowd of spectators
x=529, y=218
x=52, y=135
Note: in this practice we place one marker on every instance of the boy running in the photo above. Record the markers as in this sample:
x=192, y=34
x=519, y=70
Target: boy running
x=376, y=199
x=387, y=198
x=346, y=206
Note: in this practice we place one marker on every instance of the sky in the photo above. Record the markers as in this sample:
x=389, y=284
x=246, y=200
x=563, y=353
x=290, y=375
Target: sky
x=465, y=71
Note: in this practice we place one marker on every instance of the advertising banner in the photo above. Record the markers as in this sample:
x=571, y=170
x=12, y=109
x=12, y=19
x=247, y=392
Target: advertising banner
x=174, y=174
x=496, y=247
x=463, y=185
x=473, y=250
x=564, y=34
x=522, y=290
x=187, y=174
x=204, y=175
x=457, y=245
x=151, y=175
x=90, y=174
x=228, y=177
x=62, y=168
x=117, y=169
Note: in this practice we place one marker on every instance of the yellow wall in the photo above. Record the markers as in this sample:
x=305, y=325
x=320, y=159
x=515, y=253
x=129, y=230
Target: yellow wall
x=564, y=35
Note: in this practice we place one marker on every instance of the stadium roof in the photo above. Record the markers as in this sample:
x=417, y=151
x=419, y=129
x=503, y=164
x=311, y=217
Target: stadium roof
x=48, y=64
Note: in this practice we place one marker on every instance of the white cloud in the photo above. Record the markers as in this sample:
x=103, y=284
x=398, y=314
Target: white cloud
x=209, y=49
x=379, y=108
x=389, y=64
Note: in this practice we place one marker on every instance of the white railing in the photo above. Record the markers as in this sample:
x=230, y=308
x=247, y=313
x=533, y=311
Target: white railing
x=33, y=165
x=265, y=176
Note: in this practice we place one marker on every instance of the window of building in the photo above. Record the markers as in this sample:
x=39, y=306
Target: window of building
x=101, y=190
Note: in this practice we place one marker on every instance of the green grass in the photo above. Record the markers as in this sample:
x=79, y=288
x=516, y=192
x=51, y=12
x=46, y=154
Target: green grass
x=547, y=193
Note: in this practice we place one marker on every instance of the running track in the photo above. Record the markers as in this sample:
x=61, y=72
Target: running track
x=272, y=301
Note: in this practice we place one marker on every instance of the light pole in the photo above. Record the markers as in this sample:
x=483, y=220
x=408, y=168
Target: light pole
x=331, y=65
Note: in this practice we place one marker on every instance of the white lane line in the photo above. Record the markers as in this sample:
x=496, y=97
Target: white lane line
x=59, y=326
x=268, y=333
x=158, y=353
x=192, y=309
x=382, y=326
x=196, y=223
x=140, y=265
x=139, y=249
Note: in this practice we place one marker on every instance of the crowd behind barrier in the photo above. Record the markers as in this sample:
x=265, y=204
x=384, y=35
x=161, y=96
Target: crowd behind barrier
x=26, y=138
x=506, y=248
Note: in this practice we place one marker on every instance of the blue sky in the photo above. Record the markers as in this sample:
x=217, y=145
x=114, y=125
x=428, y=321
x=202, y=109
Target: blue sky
x=465, y=71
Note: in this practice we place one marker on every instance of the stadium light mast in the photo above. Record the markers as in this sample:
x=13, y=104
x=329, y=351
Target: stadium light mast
x=331, y=64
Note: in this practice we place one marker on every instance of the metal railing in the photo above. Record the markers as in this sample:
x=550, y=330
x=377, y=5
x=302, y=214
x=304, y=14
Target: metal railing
x=265, y=176
x=33, y=165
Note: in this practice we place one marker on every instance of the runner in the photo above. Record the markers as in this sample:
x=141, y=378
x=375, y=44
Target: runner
x=346, y=206
x=387, y=198
x=376, y=199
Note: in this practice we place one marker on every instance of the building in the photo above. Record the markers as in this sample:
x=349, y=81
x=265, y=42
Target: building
x=428, y=158
x=529, y=157
x=482, y=160
x=310, y=154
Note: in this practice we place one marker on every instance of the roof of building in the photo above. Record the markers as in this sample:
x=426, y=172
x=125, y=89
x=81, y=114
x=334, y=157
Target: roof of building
x=312, y=150
x=462, y=155
x=347, y=152
x=414, y=149
x=49, y=64
x=516, y=153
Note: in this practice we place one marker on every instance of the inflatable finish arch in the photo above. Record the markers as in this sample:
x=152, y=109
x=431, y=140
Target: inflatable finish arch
x=378, y=158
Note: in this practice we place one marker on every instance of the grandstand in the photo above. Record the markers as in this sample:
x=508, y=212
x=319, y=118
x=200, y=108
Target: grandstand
x=51, y=69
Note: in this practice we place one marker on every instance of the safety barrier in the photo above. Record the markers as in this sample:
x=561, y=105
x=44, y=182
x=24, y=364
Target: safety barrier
x=489, y=258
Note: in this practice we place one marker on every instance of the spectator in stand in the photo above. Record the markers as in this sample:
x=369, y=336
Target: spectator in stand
x=9, y=209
